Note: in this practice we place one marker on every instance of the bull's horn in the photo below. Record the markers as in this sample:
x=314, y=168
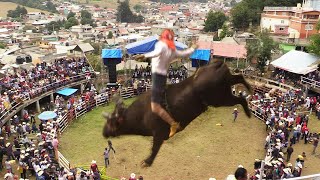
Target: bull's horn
x=106, y=115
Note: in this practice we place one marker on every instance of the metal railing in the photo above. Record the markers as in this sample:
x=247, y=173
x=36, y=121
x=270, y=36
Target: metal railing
x=311, y=177
x=63, y=161
x=310, y=82
x=270, y=82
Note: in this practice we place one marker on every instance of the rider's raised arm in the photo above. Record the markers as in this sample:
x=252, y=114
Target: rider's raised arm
x=184, y=53
x=156, y=52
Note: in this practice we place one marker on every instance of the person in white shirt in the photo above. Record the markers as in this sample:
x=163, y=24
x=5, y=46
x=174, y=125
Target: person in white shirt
x=164, y=53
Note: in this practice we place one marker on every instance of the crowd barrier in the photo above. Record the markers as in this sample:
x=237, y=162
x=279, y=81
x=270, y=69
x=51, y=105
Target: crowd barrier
x=102, y=170
x=270, y=82
x=63, y=162
x=130, y=92
x=310, y=82
x=80, y=109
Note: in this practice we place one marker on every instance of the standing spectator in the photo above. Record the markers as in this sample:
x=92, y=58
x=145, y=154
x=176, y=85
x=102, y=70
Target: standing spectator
x=55, y=144
x=110, y=146
x=241, y=174
x=8, y=176
x=9, y=151
x=106, y=157
x=235, y=114
x=132, y=176
x=94, y=167
x=8, y=166
x=315, y=145
x=1, y=157
x=289, y=152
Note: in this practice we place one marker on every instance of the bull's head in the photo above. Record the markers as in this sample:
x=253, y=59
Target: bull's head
x=114, y=120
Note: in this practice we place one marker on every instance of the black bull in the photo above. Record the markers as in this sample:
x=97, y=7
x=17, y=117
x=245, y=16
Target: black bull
x=209, y=86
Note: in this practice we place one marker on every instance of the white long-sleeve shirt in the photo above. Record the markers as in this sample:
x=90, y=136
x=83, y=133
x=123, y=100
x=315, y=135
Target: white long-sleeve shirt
x=163, y=55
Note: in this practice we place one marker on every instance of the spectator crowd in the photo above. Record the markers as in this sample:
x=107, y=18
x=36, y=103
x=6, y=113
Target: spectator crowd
x=42, y=78
x=287, y=118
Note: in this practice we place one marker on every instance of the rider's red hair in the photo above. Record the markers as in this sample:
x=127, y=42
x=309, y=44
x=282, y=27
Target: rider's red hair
x=167, y=36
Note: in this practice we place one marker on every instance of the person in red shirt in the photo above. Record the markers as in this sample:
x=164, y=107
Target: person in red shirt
x=94, y=167
x=298, y=120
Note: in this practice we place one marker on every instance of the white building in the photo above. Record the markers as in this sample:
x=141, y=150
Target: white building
x=35, y=15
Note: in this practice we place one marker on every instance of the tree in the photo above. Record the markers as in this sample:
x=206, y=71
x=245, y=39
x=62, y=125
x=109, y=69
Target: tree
x=110, y=35
x=87, y=21
x=54, y=26
x=224, y=31
x=71, y=22
x=97, y=48
x=314, y=46
x=214, y=21
x=137, y=7
x=86, y=14
x=86, y=17
x=125, y=14
x=261, y=50
x=104, y=23
x=318, y=26
x=249, y=11
x=233, y=3
x=71, y=14
x=51, y=7
x=95, y=61
x=18, y=12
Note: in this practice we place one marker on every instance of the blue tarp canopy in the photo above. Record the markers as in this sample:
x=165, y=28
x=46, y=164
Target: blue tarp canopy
x=111, y=56
x=111, y=53
x=46, y=115
x=201, y=54
x=67, y=91
x=147, y=45
x=200, y=57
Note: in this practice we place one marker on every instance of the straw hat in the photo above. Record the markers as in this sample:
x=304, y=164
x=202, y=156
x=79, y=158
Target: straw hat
x=289, y=165
x=7, y=175
x=8, y=144
x=235, y=109
x=40, y=173
x=93, y=162
x=287, y=170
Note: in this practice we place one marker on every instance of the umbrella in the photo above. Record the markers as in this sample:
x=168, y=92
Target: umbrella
x=46, y=115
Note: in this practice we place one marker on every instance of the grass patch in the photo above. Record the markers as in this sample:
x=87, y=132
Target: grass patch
x=110, y=3
x=6, y=6
x=201, y=151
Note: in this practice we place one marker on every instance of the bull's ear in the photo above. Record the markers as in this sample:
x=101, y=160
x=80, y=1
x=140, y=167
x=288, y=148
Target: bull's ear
x=106, y=115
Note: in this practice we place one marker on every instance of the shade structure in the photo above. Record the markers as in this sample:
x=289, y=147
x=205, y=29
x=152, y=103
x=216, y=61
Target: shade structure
x=200, y=57
x=67, y=91
x=46, y=115
x=111, y=56
x=201, y=54
x=111, y=53
x=147, y=45
x=297, y=62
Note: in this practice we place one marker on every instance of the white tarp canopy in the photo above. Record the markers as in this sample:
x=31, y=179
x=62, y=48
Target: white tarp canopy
x=297, y=62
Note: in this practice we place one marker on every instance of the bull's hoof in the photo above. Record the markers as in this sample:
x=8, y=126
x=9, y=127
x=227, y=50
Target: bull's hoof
x=144, y=164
